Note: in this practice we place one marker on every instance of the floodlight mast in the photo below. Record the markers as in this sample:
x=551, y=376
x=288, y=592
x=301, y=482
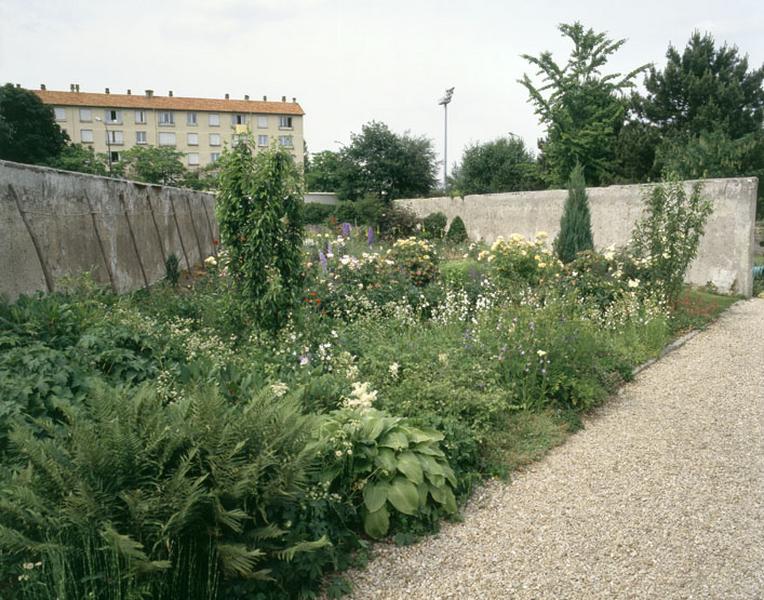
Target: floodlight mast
x=445, y=101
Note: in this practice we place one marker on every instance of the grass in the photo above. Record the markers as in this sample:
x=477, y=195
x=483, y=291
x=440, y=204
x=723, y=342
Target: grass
x=697, y=308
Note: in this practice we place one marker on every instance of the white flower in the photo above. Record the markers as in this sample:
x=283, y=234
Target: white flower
x=443, y=358
x=211, y=261
x=394, y=368
x=633, y=283
x=541, y=353
x=361, y=397
x=279, y=389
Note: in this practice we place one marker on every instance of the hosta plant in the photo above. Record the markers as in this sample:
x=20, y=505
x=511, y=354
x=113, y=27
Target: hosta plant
x=387, y=466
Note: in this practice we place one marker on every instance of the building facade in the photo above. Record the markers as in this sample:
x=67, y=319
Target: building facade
x=199, y=128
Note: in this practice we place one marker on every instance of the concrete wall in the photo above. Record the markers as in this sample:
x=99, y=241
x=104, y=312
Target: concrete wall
x=725, y=256
x=55, y=224
x=321, y=197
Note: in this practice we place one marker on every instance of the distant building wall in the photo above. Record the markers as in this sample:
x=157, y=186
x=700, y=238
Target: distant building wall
x=57, y=224
x=725, y=256
x=321, y=197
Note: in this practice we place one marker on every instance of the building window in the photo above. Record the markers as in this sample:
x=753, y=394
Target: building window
x=167, y=118
x=285, y=122
x=140, y=137
x=262, y=122
x=193, y=159
x=192, y=139
x=86, y=136
x=285, y=140
x=191, y=118
x=114, y=157
x=60, y=113
x=166, y=138
x=236, y=138
x=262, y=140
x=140, y=117
x=238, y=119
x=214, y=156
x=113, y=116
x=214, y=139
x=115, y=138
x=214, y=120
x=86, y=115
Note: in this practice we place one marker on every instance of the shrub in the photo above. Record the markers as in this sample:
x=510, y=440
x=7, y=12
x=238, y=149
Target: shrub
x=521, y=261
x=417, y=258
x=668, y=235
x=259, y=211
x=396, y=222
x=576, y=223
x=457, y=232
x=172, y=270
x=134, y=498
x=434, y=226
x=314, y=213
x=385, y=464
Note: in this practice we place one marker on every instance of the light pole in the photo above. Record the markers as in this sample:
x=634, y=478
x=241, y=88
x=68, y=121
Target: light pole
x=108, y=143
x=445, y=101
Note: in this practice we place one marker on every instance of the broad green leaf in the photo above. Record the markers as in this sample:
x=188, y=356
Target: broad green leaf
x=429, y=449
x=430, y=465
x=449, y=473
x=386, y=460
x=423, y=488
x=375, y=495
x=371, y=428
x=403, y=496
x=438, y=494
x=395, y=439
x=425, y=435
x=408, y=464
x=377, y=523
x=450, y=503
x=436, y=480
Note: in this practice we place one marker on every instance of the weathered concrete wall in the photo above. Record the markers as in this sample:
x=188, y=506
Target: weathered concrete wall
x=725, y=256
x=56, y=224
x=321, y=197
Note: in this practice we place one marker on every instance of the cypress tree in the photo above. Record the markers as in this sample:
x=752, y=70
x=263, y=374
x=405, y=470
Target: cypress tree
x=576, y=223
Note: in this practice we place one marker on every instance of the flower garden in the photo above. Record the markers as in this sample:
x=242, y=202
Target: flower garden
x=169, y=445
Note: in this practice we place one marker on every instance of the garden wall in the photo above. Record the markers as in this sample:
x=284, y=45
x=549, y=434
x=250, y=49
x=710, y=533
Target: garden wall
x=725, y=257
x=55, y=224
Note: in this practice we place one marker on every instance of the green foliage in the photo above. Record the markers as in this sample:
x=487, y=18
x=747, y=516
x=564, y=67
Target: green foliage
x=260, y=215
x=581, y=108
x=668, y=235
x=418, y=258
x=576, y=223
x=28, y=130
x=704, y=89
x=326, y=172
x=79, y=158
x=521, y=262
x=177, y=499
x=700, y=116
x=457, y=232
x=316, y=214
x=434, y=226
x=503, y=165
x=385, y=164
x=387, y=465
x=172, y=270
x=153, y=164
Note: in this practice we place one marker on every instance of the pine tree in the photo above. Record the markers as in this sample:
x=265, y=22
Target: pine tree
x=576, y=223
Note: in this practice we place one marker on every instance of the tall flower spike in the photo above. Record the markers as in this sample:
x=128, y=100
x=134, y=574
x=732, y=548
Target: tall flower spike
x=370, y=237
x=322, y=260
x=346, y=230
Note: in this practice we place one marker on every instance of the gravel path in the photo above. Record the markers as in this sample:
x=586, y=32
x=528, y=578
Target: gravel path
x=661, y=496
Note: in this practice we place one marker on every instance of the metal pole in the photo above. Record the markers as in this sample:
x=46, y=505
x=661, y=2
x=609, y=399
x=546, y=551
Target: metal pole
x=445, y=148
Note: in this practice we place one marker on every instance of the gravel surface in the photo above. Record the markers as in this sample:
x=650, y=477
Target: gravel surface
x=660, y=496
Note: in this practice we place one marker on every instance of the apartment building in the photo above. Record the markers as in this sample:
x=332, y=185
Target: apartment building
x=197, y=127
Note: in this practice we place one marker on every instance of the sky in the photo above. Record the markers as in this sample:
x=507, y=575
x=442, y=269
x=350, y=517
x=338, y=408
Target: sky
x=349, y=61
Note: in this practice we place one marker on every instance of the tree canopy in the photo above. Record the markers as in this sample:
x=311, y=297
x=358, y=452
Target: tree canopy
x=582, y=108
x=377, y=162
x=161, y=165
x=28, y=129
x=502, y=165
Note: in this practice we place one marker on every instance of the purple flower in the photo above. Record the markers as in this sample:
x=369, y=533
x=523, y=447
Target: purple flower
x=304, y=360
x=370, y=237
x=322, y=260
x=345, y=229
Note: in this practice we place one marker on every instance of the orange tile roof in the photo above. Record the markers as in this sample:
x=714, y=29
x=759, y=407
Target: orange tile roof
x=167, y=102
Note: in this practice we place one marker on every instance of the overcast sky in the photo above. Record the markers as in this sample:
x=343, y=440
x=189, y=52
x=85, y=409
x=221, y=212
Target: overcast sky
x=347, y=61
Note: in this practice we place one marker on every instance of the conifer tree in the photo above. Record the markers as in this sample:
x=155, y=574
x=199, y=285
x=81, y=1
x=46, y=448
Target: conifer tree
x=576, y=223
